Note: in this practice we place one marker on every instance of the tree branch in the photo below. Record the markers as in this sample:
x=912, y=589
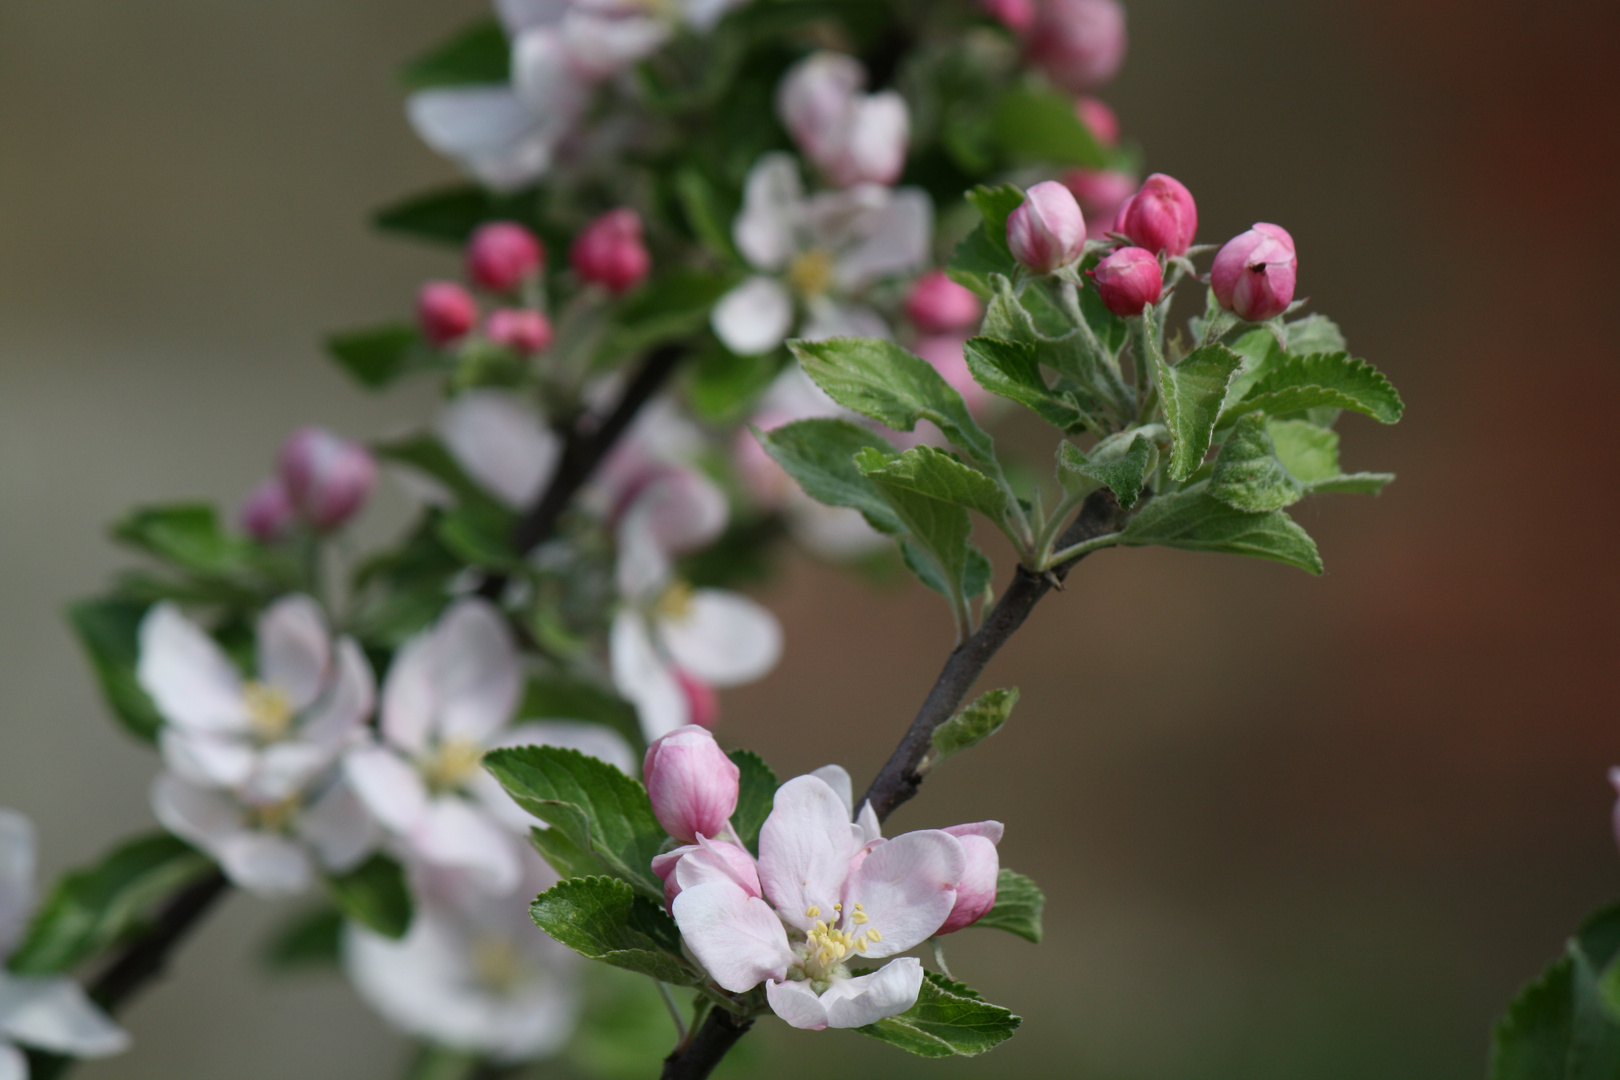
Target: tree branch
x=697, y=1058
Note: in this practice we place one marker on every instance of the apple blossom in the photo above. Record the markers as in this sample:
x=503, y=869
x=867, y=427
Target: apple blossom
x=267, y=513
x=499, y=441
x=1161, y=216
x=1047, y=231
x=938, y=305
x=446, y=312
x=1128, y=281
x=1099, y=119
x=1254, y=273
x=45, y=1012
x=1079, y=43
x=327, y=478
x=851, y=136
x=502, y=255
x=522, y=330
x=735, y=862
x=609, y=252
x=691, y=782
x=251, y=762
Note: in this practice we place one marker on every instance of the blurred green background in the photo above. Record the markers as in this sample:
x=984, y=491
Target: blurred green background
x=1290, y=827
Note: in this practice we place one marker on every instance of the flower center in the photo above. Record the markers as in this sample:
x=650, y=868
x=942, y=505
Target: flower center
x=827, y=946
x=675, y=605
x=811, y=272
x=274, y=817
x=451, y=764
x=270, y=714
x=495, y=965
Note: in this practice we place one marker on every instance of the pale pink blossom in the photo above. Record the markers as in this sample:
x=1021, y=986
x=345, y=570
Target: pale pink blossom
x=498, y=439
x=853, y=137
x=327, y=478
x=1079, y=43
x=976, y=892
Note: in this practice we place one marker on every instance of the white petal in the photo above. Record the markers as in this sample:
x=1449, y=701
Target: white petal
x=644, y=566
x=266, y=864
x=829, y=318
x=520, y=15
x=205, y=758
x=754, y=317
x=204, y=817
x=17, y=855
x=338, y=827
x=682, y=508
x=871, y=828
x=644, y=679
x=773, y=196
x=454, y=832
x=709, y=861
x=894, y=240
x=487, y=129
x=53, y=1013
x=876, y=141
x=796, y=1003
x=888, y=991
x=837, y=778
x=349, y=698
x=13, y=1064
x=410, y=697
x=725, y=639
x=804, y=850
x=907, y=887
x=190, y=679
x=294, y=649
x=736, y=937
x=599, y=742
x=501, y=443
x=479, y=677
x=387, y=785
x=284, y=769
x=602, y=47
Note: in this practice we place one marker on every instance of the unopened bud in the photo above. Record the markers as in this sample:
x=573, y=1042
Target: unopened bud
x=1079, y=43
x=1128, y=281
x=1016, y=15
x=1254, y=273
x=446, y=312
x=520, y=329
x=692, y=784
x=976, y=892
x=327, y=478
x=610, y=252
x=938, y=305
x=1099, y=120
x=1161, y=216
x=502, y=255
x=1048, y=231
x=267, y=513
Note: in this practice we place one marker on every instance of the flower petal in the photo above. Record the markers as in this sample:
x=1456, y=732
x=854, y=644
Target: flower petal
x=796, y=1003
x=387, y=785
x=643, y=677
x=17, y=857
x=837, y=778
x=53, y=1013
x=736, y=937
x=202, y=816
x=520, y=15
x=478, y=674
x=338, y=827
x=829, y=318
x=773, y=196
x=454, y=832
x=888, y=991
x=206, y=758
x=868, y=824
x=188, y=675
x=13, y=1064
x=718, y=860
x=488, y=130
x=294, y=649
x=410, y=696
x=266, y=864
x=341, y=714
x=284, y=769
x=726, y=639
x=602, y=47
x=804, y=850
x=907, y=887
x=895, y=239
x=754, y=317
x=501, y=443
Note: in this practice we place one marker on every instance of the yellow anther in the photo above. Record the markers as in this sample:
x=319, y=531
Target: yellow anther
x=838, y=907
x=269, y=712
x=860, y=944
x=811, y=273
x=860, y=918
x=874, y=935
x=452, y=763
x=857, y=905
x=813, y=910
x=675, y=605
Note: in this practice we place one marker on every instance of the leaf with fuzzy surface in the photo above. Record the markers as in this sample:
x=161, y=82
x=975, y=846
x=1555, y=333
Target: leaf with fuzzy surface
x=1195, y=520
x=1321, y=380
x=375, y=895
x=756, y=793
x=984, y=253
x=1121, y=464
x=1192, y=392
x=603, y=918
x=938, y=475
x=1011, y=370
x=975, y=723
x=1268, y=465
x=820, y=454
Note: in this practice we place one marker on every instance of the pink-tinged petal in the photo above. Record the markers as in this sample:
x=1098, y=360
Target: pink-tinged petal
x=284, y=769
x=804, y=851
x=479, y=676
x=754, y=317
x=17, y=848
x=837, y=778
x=294, y=649
x=207, y=759
x=500, y=442
x=488, y=130
x=718, y=860
x=410, y=696
x=266, y=864
x=191, y=681
x=907, y=888
x=644, y=568
x=896, y=240
x=827, y=318
x=725, y=639
x=643, y=677
x=13, y=1063
x=796, y=1003
x=520, y=15
x=201, y=816
x=54, y=1013
x=600, y=48
x=387, y=785
x=339, y=828
x=340, y=715
x=772, y=196
x=976, y=892
x=869, y=825
x=888, y=991
x=736, y=937
x=681, y=508
x=990, y=830
x=691, y=782
x=454, y=832
x=664, y=866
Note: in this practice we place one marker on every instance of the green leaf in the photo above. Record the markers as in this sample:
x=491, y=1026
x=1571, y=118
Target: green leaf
x=1314, y=334
x=1559, y=1027
x=434, y=1062
x=1269, y=465
x=377, y=355
x=375, y=895
x=722, y=386
x=671, y=306
x=755, y=796
x=974, y=724
x=597, y=808
x=478, y=56
x=1120, y=463
x=188, y=535
x=109, y=631
x=480, y=534
x=820, y=454
x=93, y=909
x=995, y=205
x=450, y=215
x=708, y=213
x=1012, y=370
x=1192, y=393
x=428, y=456
x=1041, y=126
x=1195, y=520
x=896, y=388
x=1019, y=906
x=948, y=1020
x=983, y=254
x=938, y=475
x=1330, y=380
x=310, y=939
x=605, y=920
x=938, y=531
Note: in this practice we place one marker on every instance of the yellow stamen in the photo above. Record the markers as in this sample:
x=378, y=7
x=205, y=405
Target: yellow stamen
x=270, y=714
x=874, y=935
x=452, y=763
x=814, y=910
x=811, y=273
x=495, y=964
x=675, y=605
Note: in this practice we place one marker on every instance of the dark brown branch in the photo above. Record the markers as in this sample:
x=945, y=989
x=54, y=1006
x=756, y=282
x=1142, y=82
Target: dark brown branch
x=711, y=1042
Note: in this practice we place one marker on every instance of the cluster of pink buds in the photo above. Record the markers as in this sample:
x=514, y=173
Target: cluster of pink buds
x=610, y=252
x=321, y=481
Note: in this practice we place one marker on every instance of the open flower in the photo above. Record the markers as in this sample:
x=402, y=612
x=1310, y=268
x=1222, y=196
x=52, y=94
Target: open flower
x=851, y=136
x=500, y=442
x=817, y=252
x=829, y=894
x=448, y=699
x=250, y=762
x=46, y=1012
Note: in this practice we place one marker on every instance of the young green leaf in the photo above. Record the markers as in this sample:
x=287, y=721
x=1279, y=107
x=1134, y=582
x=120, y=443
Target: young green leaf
x=478, y=56
x=948, y=1020
x=1560, y=1026
x=310, y=939
x=93, y=909
x=1041, y=125
x=896, y=388
x=604, y=919
x=1195, y=520
x=377, y=355
x=1315, y=334
x=1019, y=905
x=820, y=454
x=480, y=534
x=1270, y=465
x=938, y=531
x=755, y=795
x=428, y=456
x=974, y=724
x=1192, y=393
x=186, y=535
x=109, y=631
x=1120, y=463
x=1321, y=380
x=375, y=895
x=983, y=253
x=938, y=475
x=1010, y=370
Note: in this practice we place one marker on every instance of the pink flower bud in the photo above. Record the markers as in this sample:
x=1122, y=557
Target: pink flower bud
x=692, y=784
x=519, y=329
x=327, y=478
x=702, y=703
x=939, y=305
x=1128, y=281
x=1048, y=231
x=1099, y=120
x=976, y=892
x=1160, y=217
x=1079, y=43
x=1016, y=15
x=446, y=312
x=1254, y=273
x=609, y=252
x=267, y=513
x=502, y=255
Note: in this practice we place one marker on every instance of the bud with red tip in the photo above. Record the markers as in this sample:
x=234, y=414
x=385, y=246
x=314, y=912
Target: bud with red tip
x=327, y=478
x=610, y=252
x=976, y=893
x=692, y=784
x=267, y=513
x=702, y=703
x=938, y=305
x=1161, y=216
x=1254, y=273
x=1079, y=43
x=1128, y=281
x=446, y=312
x=1048, y=231
x=502, y=255
x=1016, y=15
x=519, y=329
x=1099, y=120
